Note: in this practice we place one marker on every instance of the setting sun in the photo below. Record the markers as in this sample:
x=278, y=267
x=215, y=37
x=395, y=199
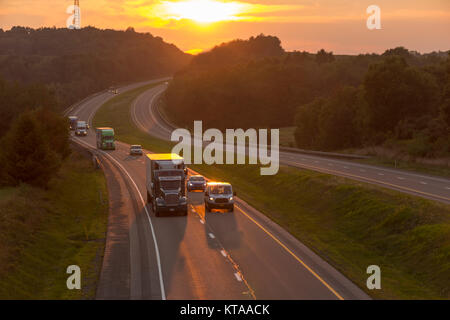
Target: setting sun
x=204, y=11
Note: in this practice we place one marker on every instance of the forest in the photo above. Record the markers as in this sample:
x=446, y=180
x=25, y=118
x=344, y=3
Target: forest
x=77, y=63
x=44, y=71
x=335, y=102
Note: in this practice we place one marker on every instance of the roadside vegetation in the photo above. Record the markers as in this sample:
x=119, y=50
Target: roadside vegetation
x=399, y=100
x=53, y=207
x=351, y=225
x=34, y=138
x=115, y=113
x=42, y=232
x=77, y=63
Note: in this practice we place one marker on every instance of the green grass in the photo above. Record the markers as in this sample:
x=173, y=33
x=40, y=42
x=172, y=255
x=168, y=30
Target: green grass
x=114, y=114
x=42, y=232
x=437, y=170
x=438, y=167
x=350, y=224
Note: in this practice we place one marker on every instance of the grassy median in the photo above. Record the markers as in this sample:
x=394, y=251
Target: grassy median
x=42, y=232
x=350, y=224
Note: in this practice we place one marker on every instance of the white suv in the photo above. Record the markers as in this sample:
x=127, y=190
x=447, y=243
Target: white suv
x=219, y=195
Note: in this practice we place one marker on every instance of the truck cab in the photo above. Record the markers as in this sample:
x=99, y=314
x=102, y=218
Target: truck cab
x=82, y=128
x=166, y=182
x=73, y=122
x=105, y=138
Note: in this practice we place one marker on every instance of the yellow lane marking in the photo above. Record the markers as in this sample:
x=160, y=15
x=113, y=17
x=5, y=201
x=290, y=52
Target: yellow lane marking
x=293, y=255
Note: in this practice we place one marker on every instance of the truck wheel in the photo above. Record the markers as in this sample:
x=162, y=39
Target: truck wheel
x=232, y=208
x=149, y=197
x=155, y=209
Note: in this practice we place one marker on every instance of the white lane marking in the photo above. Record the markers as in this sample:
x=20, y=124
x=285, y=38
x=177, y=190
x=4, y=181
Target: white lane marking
x=400, y=178
x=345, y=167
x=158, y=259
x=448, y=188
x=201, y=221
x=316, y=161
x=381, y=174
x=133, y=107
x=423, y=182
x=211, y=235
x=240, y=277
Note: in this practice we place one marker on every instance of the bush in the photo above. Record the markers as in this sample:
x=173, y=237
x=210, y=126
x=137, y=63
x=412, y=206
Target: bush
x=27, y=156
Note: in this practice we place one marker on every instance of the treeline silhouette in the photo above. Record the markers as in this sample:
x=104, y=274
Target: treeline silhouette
x=44, y=71
x=335, y=101
x=76, y=63
x=403, y=102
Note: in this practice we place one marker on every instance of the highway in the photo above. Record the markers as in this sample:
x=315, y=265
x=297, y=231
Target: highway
x=232, y=256
x=148, y=118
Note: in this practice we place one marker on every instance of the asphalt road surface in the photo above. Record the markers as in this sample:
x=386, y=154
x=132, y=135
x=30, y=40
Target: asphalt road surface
x=149, y=119
x=240, y=255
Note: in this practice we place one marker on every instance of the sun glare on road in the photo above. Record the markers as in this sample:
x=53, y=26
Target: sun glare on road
x=204, y=11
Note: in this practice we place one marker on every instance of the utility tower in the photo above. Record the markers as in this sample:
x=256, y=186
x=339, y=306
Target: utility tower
x=76, y=15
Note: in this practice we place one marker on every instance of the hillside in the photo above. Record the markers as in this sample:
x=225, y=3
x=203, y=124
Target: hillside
x=75, y=63
x=335, y=101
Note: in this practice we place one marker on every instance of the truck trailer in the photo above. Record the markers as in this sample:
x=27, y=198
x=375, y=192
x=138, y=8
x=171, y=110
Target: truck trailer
x=166, y=183
x=105, y=138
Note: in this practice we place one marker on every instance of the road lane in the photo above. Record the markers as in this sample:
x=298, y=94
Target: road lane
x=241, y=260
x=193, y=269
x=149, y=119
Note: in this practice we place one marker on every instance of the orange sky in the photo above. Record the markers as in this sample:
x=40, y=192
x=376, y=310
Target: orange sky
x=195, y=25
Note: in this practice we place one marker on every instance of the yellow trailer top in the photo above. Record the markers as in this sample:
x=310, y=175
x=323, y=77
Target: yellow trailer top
x=164, y=156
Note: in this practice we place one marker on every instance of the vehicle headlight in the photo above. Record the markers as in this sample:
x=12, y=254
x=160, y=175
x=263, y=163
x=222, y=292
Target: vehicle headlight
x=211, y=198
x=231, y=199
x=190, y=183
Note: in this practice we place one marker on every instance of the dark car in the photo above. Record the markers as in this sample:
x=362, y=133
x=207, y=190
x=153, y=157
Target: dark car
x=196, y=183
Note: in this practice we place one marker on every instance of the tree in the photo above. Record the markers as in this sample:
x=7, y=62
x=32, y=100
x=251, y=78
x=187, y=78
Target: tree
x=307, y=124
x=399, y=51
x=339, y=121
x=55, y=129
x=445, y=105
x=27, y=157
x=324, y=57
x=395, y=91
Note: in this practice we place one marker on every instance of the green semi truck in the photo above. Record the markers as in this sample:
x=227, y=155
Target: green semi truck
x=105, y=138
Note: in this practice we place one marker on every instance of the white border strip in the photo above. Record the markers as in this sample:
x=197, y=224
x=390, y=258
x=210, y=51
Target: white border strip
x=158, y=259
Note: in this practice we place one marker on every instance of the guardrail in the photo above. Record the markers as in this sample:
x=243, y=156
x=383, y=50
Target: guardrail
x=169, y=124
x=76, y=104
x=324, y=154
